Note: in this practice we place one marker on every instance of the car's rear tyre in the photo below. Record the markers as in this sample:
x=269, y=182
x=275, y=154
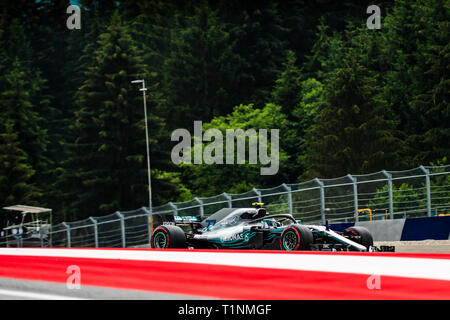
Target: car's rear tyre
x=168, y=237
x=296, y=237
x=360, y=235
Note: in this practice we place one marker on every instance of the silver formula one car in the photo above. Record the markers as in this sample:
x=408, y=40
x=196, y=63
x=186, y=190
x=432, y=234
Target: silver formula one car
x=253, y=228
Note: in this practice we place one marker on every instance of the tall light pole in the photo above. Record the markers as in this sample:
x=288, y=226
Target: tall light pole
x=143, y=89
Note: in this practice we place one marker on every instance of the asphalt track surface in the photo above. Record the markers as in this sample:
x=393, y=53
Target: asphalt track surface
x=16, y=289
x=34, y=273
x=423, y=246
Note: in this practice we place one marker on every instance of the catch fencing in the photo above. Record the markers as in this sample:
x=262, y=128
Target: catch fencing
x=419, y=192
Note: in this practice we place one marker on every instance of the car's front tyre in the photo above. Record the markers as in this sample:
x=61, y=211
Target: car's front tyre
x=360, y=235
x=296, y=237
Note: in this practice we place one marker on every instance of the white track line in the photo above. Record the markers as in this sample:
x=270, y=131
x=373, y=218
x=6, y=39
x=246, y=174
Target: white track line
x=34, y=295
x=380, y=265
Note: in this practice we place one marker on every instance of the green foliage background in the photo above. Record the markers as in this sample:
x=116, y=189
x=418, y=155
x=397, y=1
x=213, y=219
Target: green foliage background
x=345, y=98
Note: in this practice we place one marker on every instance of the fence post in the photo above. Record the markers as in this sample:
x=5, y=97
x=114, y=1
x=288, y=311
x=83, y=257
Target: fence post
x=427, y=184
x=122, y=227
x=150, y=225
x=258, y=193
x=230, y=202
x=174, y=207
x=288, y=189
x=69, y=242
x=355, y=195
x=95, y=231
x=391, y=198
x=200, y=202
x=50, y=236
x=322, y=199
x=41, y=237
x=150, y=231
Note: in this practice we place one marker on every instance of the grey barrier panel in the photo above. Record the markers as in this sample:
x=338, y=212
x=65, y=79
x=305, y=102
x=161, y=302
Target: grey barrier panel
x=384, y=230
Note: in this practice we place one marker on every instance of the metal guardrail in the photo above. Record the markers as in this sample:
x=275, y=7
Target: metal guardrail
x=419, y=192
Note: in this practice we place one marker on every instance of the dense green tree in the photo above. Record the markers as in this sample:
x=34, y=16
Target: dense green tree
x=286, y=92
x=429, y=101
x=289, y=93
x=202, y=68
x=306, y=109
x=257, y=27
x=415, y=48
x=17, y=106
x=325, y=53
x=107, y=163
x=345, y=98
x=304, y=115
x=211, y=179
x=353, y=131
x=21, y=97
x=15, y=171
x=22, y=139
